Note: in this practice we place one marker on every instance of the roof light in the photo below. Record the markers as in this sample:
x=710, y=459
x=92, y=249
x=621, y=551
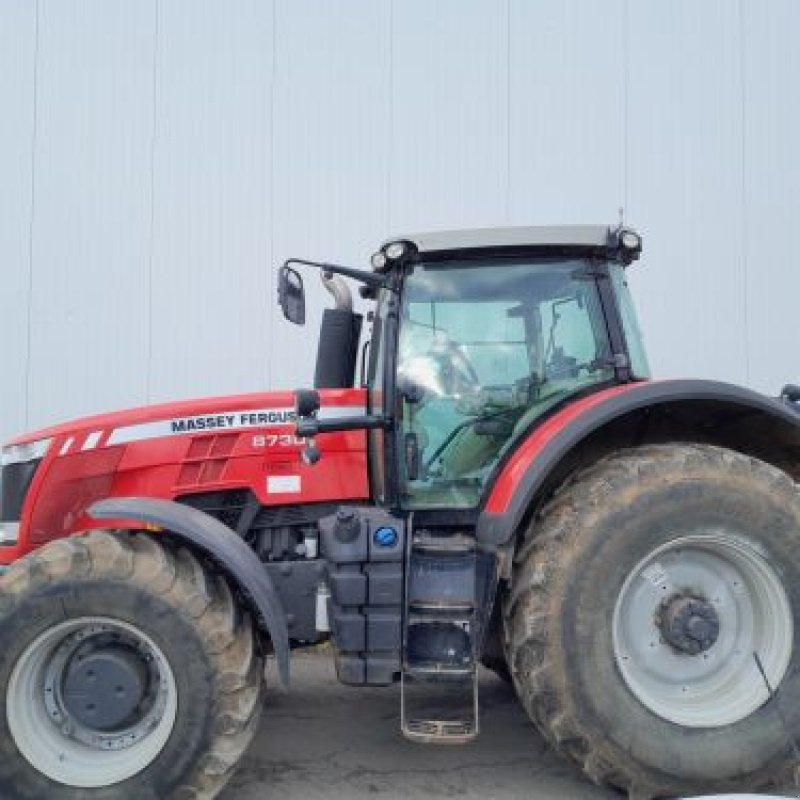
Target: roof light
x=395, y=250
x=378, y=261
x=630, y=240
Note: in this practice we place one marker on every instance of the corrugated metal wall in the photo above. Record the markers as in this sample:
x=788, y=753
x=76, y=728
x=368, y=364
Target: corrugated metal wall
x=158, y=158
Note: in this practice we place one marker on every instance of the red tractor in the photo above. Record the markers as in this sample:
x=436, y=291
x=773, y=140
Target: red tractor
x=501, y=483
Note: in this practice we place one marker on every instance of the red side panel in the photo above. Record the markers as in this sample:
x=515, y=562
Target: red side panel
x=529, y=450
x=163, y=452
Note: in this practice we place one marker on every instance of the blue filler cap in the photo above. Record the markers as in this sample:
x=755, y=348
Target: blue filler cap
x=385, y=537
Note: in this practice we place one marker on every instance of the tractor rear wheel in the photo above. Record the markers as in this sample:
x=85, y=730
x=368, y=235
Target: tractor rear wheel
x=126, y=670
x=652, y=601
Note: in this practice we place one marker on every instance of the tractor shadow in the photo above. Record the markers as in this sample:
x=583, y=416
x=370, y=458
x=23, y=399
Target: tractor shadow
x=326, y=740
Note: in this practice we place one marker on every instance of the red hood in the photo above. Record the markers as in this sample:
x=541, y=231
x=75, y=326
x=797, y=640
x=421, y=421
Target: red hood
x=190, y=408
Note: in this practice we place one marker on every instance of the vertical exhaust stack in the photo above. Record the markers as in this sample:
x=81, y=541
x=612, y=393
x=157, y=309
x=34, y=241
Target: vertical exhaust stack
x=340, y=291
x=339, y=335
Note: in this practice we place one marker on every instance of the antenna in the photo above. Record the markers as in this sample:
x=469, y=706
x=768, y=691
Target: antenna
x=621, y=212
x=779, y=712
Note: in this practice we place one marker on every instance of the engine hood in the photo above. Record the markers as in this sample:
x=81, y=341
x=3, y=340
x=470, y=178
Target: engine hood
x=233, y=412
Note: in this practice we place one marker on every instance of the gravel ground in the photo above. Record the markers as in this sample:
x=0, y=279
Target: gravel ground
x=325, y=740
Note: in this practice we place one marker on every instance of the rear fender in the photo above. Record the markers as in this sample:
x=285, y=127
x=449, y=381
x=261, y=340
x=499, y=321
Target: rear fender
x=210, y=537
x=628, y=416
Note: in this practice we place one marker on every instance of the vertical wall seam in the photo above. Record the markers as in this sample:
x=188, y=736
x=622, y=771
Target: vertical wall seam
x=390, y=116
x=625, y=101
x=744, y=187
x=152, y=235
x=508, y=112
x=271, y=189
x=32, y=217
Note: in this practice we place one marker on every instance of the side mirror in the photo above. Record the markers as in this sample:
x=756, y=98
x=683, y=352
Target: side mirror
x=291, y=295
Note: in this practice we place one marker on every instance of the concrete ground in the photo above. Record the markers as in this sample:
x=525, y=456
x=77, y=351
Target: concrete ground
x=325, y=740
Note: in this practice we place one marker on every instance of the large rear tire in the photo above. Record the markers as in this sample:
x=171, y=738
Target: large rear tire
x=126, y=670
x=639, y=596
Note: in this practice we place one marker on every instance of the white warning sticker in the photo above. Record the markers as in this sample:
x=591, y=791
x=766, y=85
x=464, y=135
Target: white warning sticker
x=283, y=484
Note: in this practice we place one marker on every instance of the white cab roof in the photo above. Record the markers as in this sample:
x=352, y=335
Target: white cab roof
x=531, y=236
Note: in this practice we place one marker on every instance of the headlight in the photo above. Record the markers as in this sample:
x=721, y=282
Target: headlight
x=9, y=532
x=29, y=451
x=630, y=240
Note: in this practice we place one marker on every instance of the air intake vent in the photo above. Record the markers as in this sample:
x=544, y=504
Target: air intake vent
x=207, y=458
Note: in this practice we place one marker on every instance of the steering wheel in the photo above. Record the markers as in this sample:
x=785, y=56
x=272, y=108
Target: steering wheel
x=458, y=373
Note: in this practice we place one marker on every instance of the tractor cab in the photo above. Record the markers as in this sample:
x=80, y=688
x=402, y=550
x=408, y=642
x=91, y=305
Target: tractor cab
x=476, y=336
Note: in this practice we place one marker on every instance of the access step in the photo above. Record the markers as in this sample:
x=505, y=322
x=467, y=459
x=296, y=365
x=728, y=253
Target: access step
x=439, y=706
x=439, y=690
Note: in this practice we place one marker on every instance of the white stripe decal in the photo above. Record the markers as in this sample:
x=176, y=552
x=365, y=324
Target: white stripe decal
x=91, y=440
x=339, y=412
x=224, y=421
x=66, y=446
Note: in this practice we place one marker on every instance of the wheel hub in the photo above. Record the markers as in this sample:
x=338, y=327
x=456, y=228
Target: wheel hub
x=102, y=689
x=689, y=624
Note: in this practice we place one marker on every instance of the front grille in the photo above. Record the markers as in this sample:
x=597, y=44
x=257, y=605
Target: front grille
x=15, y=480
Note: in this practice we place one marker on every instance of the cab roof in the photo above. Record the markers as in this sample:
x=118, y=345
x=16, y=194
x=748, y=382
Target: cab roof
x=550, y=236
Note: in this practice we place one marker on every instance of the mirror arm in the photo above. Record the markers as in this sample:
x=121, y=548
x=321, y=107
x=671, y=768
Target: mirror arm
x=367, y=278
x=309, y=428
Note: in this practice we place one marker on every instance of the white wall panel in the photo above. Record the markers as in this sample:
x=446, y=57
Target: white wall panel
x=17, y=59
x=208, y=299
x=180, y=150
x=772, y=191
x=330, y=153
x=91, y=222
x=449, y=115
x=685, y=184
x=567, y=120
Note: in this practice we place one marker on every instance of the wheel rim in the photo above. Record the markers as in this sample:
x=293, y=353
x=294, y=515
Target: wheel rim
x=687, y=623
x=50, y=719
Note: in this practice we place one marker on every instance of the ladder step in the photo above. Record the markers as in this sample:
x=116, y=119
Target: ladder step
x=444, y=606
x=432, y=731
x=439, y=684
x=457, y=544
x=445, y=643
x=435, y=671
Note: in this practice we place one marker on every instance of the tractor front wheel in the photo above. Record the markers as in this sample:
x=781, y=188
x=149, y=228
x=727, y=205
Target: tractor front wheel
x=650, y=621
x=126, y=670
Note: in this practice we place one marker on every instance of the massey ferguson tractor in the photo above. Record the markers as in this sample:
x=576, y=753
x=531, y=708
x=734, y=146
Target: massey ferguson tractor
x=491, y=478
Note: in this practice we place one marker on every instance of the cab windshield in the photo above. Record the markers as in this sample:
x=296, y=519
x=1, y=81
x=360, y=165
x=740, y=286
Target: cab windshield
x=484, y=349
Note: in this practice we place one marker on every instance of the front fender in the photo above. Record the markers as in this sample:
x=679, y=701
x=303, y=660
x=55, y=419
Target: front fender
x=206, y=534
x=538, y=456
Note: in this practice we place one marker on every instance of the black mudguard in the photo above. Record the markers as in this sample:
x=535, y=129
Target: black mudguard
x=206, y=534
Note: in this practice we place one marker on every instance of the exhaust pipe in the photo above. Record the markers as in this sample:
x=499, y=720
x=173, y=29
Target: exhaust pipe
x=338, y=339
x=340, y=291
